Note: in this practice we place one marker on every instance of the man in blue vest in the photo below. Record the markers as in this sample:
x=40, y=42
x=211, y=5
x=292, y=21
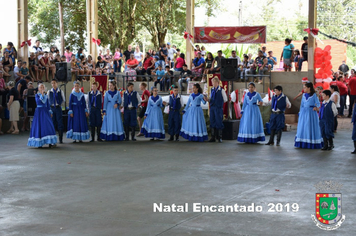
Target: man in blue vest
x=279, y=104
x=95, y=103
x=327, y=113
x=217, y=99
x=131, y=100
x=56, y=99
x=174, y=117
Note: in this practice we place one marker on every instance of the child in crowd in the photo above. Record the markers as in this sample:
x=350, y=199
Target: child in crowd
x=130, y=101
x=78, y=113
x=56, y=99
x=112, y=129
x=217, y=99
x=168, y=78
x=174, y=117
x=42, y=129
x=304, y=81
x=279, y=104
x=145, y=96
x=251, y=126
x=153, y=126
x=159, y=80
x=327, y=113
x=68, y=54
x=194, y=125
x=24, y=70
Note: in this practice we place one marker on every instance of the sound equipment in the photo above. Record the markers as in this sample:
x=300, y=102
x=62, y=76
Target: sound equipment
x=229, y=70
x=231, y=129
x=63, y=71
x=31, y=105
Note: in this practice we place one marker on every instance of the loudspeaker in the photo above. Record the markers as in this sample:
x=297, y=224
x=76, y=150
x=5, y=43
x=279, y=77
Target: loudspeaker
x=229, y=70
x=231, y=129
x=63, y=71
x=31, y=105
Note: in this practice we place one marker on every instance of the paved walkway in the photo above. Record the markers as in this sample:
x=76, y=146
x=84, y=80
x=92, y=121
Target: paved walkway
x=108, y=189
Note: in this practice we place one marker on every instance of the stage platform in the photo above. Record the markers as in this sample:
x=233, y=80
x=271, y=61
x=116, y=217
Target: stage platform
x=109, y=189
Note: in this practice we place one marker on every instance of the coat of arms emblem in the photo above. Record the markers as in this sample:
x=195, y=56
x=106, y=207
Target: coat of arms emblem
x=328, y=208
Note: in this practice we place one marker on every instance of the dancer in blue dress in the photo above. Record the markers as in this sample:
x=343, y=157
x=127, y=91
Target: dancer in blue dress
x=308, y=131
x=95, y=102
x=77, y=116
x=42, y=130
x=279, y=104
x=194, y=125
x=251, y=126
x=153, y=126
x=112, y=128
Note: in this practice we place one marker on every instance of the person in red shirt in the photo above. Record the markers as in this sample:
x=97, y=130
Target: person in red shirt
x=148, y=66
x=343, y=93
x=145, y=95
x=352, y=85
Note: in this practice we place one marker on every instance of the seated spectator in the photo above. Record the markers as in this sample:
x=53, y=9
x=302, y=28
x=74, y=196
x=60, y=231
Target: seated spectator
x=80, y=66
x=260, y=65
x=196, y=50
x=245, y=67
x=148, y=66
x=85, y=66
x=198, y=66
x=100, y=63
x=90, y=64
x=178, y=65
x=159, y=79
x=132, y=64
x=218, y=62
x=107, y=57
x=98, y=71
x=68, y=54
x=209, y=66
x=74, y=67
x=185, y=76
x=271, y=61
x=168, y=78
x=46, y=65
x=3, y=90
x=12, y=51
x=7, y=62
x=264, y=50
x=5, y=74
x=17, y=74
x=112, y=73
x=33, y=68
x=250, y=60
x=24, y=69
x=79, y=53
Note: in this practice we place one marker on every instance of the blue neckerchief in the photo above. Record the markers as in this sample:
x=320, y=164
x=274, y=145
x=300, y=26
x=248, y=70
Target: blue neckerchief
x=55, y=96
x=129, y=97
x=250, y=95
x=174, y=101
x=154, y=99
x=321, y=112
x=43, y=98
x=78, y=95
x=93, y=99
x=307, y=95
x=112, y=93
x=275, y=101
x=195, y=95
x=213, y=92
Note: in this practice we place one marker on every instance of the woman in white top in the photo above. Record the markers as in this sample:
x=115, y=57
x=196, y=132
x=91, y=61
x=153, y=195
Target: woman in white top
x=335, y=97
x=138, y=55
x=203, y=51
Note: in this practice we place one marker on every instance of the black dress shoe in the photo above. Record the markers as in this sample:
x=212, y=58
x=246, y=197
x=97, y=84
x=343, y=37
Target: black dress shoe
x=91, y=141
x=270, y=143
x=171, y=138
x=100, y=140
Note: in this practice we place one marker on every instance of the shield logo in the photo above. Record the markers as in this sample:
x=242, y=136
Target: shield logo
x=328, y=208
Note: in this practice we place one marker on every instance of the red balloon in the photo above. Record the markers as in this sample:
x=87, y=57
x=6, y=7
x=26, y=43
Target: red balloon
x=326, y=85
x=318, y=84
x=328, y=58
x=326, y=54
x=327, y=48
x=318, y=50
x=325, y=75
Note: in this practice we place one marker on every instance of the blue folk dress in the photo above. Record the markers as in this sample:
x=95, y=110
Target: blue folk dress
x=251, y=125
x=194, y=124
x=308, y=132
x=78, y=124
x=112, y=128
x=42, y=129
x=153, y=126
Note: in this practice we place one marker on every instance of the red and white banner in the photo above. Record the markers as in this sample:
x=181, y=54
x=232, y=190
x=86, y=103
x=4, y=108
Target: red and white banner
x=243, y=34
x=103, y=81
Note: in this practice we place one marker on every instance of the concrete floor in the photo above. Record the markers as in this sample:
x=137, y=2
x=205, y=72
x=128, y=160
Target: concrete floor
x=108, y=189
